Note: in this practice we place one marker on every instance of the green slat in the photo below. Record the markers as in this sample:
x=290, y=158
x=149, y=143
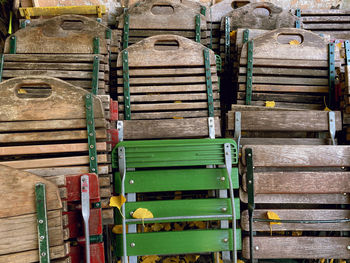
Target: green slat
x=189, y=207
x=176, y=180
x=178, y=242
x=166, y=153
x=331, y=75
x=126, y=82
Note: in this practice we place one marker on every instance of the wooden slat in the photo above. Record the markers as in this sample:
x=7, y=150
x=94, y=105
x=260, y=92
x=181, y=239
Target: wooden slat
x=300, y=156
x=52, y=171
x=286, y=71
x=324, y=18
x=286, y=88
x=284, y=121
x=298, y=214
x=53, y=162
x=283, y=97
x=54, y=58
x=328, y=26
x=177, y=128
x=288, y=62
x=300, y=182
x=285, y=141
x=298, y=247
x=169, y=106
x=69, y=74
x=170, y=115
x=169, y=97
x=167, y=80
x=286, y=80
x=52, y=66
x=49, y=148
x=289, y=105
x=166, y=71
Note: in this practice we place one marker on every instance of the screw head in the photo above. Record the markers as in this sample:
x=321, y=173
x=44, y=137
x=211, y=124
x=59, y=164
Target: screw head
x=223, y=209
x=225, y=240
x=348, y=247
x=41, y=221
x=250, y=181
x=256, y=247
x=249, y=154
x=345, y=194
x=42, y=237
x=131, y=213
x=131, y=181
x=223, y=178
x=43, y=254
x=132, y=244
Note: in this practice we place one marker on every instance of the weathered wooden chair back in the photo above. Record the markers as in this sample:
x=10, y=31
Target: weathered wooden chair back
x=304, y=186
x=167, y=84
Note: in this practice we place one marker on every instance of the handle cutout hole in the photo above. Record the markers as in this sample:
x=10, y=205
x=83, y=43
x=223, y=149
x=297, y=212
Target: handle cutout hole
x=291, y=39
x=238, y=4
x=166, y=45
x=162, y=10
x=72, y=25
x=261, y=12
x=35, y=91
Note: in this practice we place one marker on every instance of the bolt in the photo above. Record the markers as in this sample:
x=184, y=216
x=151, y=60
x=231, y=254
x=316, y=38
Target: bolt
x=224, y=209
x=345, y=194
x=41, y=221
x=42, y=237
x=250, y=181
x=91, y=146
x=225, y=240
x=92, y=158
x=131, y=213
x=132, y=245
x=223, y=178
x=43, y=254
x=131, y=181
x=256, y=247
x=348, y=247
x=249, y=154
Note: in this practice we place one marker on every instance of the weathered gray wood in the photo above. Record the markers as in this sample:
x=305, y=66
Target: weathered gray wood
x=220, y=10
x=285, y=141
x=324, y=18
x=70, y=74
x=300, y=182
x=169, y=106
x=52, y=171
x=65, y=102
x=177, y=128
x=52, y=66
x=284, y=121
x=53, y=58
x=286, y=88
x=59, y=40
x=286, y=71
x=169, y=97
x=327, y=26
x=167, y=88
x=246, y=16
x=285, y=80
x=299, y=156
x=289, y=105
x=235, y=107
x=170, y=115
x=168, y=80
x=298, y=214
x=166, y=71
x=287, y=62
x=298, y=247
x=283, y=97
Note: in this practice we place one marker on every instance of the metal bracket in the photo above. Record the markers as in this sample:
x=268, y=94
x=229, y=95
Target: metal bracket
x=298, y=14
x=227, y=41
x=2, y=59
x=245, y=36
x=211, y=126
x=228, y=164
x=249, y=80
x=120, y=128
x=347, y=52
x=126, y=81
x=96, y=45
x=238, y=130
x=90, y=123
x=95, y=73
x=85, y=209
x=13, y=44
x=208, y=82
x=198, y=28
x=251, y=202
x=332, y=130
x=126, y=30
x=203, y=10
x=331, y=74
x=43, y=230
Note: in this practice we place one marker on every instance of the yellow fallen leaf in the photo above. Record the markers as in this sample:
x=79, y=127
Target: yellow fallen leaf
x=167, y=227
x=142, y=213
x=322, y=260
x=178, y=227
x=178, y=118
x=272, y=215
x=157, y=227
x=21, y=91
x=270, y=104
x=150, y=259
x=177, y=195
x=294, y=42
x=297, y=233
x=118, y=229
x=117, y=201
x=191, y=258
x=172, y=260
x=240, y=261
x=178, y=101
x=331, y=261
x=198, y=224
x=342, y=261
x=327, y=109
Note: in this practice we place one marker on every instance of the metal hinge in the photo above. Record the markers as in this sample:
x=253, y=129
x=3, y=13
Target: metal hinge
x=332, y=128
x=211, y=126
x=238, y=130
x=120, y=128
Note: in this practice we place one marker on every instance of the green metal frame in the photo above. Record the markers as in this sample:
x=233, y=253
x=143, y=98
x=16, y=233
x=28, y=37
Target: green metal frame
x=96, y=45
x=298, y=14
x=2, y=60
x=203, y=10
x=126, y=82
x=245, y=36
x=208, y=82
x=95, y=72
x=331, y=74
x=90, y=123
x=227, y=41
x=198, y=28
x=42, y=225
x=347, y=52
x=126, y=30
x=13, y=44
x=249, y=77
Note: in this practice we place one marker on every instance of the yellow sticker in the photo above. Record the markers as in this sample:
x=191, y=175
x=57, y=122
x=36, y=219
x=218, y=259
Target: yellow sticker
x=270, y=104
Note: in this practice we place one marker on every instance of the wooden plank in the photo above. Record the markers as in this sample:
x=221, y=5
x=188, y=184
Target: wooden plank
x=299, y=156
x=165, y=71
x=53, y=162
x=298, y=214
x=54, y=58
x=321, y=12
x=300, y=182
x=50, y=136
x=324, y=18
x=284, y=121
x=286, y=80
x=287, y=62
x=284, y=141
x=169, y=106
x=53, y=171
x=170, y=115
x=289, y=105
x=33, y=255
x=169, y=97
x=49, y=125
x=168, y=88
x=22, y=201
x=22, y=234
x=49, y=148
x=286, y=88
x=70, y=74
x=144, y=33
x=168, y=80
x=52, y=66
x=235, y=107
x=328, y=26
x=298, y=247
x=65, y=101
x=286, y=71
x=177, y=128
x=283, y=97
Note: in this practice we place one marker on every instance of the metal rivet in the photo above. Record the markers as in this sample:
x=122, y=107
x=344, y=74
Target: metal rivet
x=91, y=134
x=43, y=254
x=224, y=209
x=132, y=245
x=253, y=167
x=256, y=247
x=91, y=146
x=131, y=213
x=223, y=178
x=93, y=169
x=249, y=154
x=345, y=194
x=225, y=240
x=250, y=181
x=42, y=237
x=131, y=181
x=348, y=247
x=92, y=158
x=41, y=221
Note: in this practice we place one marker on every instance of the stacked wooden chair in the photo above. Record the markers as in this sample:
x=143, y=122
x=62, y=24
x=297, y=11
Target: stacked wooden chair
x=33, y=227
x=52, y=131
x=166, y=166
x=150, y=18
x=267, y=72
x=168, y=92
x=296, y=199
x=4, y=18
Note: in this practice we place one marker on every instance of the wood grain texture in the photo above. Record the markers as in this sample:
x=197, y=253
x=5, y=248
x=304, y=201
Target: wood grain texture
x=299, y=156
x=286, y=88
x=298, y=214
x=52, y=171
x=59, y=39
x=298, y=247
x=65, y=102
x=284, y=121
